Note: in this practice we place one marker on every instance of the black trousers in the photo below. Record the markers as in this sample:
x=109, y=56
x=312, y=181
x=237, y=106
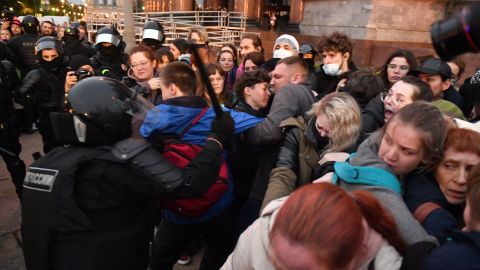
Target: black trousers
x=10, y=148
x=172, y=240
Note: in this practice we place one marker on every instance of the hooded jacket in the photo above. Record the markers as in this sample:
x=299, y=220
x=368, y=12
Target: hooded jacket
x=252, y=251
x=441, y=222
x=373, y=118
x=367, y=155
x=171, y=118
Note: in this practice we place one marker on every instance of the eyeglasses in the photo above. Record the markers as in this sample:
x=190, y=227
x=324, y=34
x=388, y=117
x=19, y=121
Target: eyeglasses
x=139, y=65
x=250, y=69
x=402, y=67
x=395, y=102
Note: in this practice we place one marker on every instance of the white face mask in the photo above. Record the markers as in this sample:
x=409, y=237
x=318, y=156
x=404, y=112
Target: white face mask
x=332, y=69
x=282, y=53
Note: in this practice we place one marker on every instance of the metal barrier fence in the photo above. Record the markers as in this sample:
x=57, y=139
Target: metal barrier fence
x=222, y=27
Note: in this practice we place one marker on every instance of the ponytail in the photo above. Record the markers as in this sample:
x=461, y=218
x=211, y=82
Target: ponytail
x=379, y=219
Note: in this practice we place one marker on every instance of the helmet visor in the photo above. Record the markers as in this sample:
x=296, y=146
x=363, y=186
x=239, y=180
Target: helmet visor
x=107, y=38
x=139, y=110
x=153, y=34
x=47, y=44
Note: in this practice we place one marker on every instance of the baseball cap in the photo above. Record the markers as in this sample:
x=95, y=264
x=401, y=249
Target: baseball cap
x=434, y=66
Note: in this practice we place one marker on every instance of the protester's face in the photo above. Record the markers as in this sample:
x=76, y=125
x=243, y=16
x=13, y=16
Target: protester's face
x=164, y=61
x=397, y=69
x=323, y=125
x=452, y=174
x=246, y=46
x=293, y=256
x=399, y=96
x=166, y=90
x=436, y=84
x=332, y=57
x=5, y=35
x=249, y=66
x=257, y=96
x=81, y=33
x=175, y=51
x=16, y=29
x=143, y=68
x=281, y=75
x=61, y=31
x=47, y=29
x=217, y=81
x=226, y=61
x=401, y=147
x=49, y=54
x=195, y=38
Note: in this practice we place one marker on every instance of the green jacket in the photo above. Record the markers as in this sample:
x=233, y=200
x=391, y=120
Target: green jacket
x=298, y=157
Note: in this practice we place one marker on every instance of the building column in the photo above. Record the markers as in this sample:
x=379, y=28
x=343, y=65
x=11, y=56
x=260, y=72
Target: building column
x=252, y=9
x=296, y=11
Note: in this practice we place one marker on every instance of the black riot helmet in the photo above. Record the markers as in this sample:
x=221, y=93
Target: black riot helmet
x=104, y=110
x=72, y=32
x=308, y=51
x=46, y=43
x=30, y=24
x=153, y=34
x=110, y=35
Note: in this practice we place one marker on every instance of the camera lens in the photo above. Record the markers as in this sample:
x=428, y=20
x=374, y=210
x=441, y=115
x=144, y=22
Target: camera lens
x=459, y=34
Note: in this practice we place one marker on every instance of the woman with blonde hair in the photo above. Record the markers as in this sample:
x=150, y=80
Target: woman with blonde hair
x=334, y=126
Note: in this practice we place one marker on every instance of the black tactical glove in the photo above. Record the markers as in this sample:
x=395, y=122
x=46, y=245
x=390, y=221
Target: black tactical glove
x=222, y=129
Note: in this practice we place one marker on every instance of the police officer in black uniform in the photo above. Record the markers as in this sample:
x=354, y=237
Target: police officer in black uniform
x=72, y=44
x=23, y=46
x=44, y=86
x=10, y=147
x=89, y=205
x=153, y=35
x=110, y=60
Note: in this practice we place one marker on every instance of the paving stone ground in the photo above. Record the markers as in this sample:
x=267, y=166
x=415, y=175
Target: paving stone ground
x=11, y=256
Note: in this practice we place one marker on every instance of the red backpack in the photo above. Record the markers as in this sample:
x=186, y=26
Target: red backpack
x=180, y=154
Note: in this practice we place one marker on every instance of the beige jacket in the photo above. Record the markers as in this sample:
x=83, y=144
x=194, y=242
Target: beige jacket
x=252, y=249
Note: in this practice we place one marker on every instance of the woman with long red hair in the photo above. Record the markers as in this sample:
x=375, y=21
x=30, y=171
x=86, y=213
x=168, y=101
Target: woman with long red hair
x=320, y=226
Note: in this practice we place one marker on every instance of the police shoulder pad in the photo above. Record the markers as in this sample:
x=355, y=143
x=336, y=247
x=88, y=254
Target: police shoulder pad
x=128, y=148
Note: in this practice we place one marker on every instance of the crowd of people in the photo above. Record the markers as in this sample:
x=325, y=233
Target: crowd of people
x=304, y=166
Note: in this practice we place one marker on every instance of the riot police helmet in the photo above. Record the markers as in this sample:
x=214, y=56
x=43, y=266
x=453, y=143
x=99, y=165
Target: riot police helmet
x=105, y=110
x=153, y=31
x=308, y=49
x=108, y=34
x=48, y=43
x=30, y=24
x=71, y=32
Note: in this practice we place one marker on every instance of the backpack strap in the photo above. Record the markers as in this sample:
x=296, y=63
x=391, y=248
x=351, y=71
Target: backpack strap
x=365, y=175
x=422, y=212
x=193, y=122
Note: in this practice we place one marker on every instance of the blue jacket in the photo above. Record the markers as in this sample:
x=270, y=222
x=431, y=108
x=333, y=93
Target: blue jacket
x=422, y=188
x=171, y=118
x=462, y=252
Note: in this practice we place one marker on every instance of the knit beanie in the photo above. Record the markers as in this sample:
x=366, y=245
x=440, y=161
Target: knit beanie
x=288, y=39
x=181, y=44
x=79, y=60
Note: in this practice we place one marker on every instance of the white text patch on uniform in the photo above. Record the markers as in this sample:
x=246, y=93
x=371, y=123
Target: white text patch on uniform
x=40, y=179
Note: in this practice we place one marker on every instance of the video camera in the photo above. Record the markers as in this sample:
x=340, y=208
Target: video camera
x=82, y=73
x=458, y=34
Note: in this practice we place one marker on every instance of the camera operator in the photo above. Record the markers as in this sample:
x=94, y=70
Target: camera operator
x=110, y=60
x=80, y=68
x=44, y=86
